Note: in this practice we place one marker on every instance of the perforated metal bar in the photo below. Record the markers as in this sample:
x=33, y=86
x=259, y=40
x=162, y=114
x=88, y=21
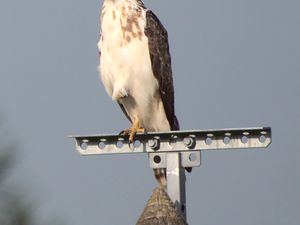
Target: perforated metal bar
x=175, y=150
x=175, y=141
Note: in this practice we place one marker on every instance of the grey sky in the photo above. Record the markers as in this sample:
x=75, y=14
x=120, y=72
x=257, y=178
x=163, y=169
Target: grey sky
x=236, y=63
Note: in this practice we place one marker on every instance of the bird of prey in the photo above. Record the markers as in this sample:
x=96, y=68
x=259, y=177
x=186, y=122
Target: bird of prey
x=135, y=67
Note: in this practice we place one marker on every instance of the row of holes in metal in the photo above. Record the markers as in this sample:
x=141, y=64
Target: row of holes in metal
x=208, y=140
x=192, y=158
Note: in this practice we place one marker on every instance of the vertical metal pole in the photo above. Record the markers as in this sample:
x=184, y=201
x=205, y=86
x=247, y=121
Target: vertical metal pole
x=176, y=182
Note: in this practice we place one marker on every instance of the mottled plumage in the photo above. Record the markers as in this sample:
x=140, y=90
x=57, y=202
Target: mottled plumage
x=135, y=66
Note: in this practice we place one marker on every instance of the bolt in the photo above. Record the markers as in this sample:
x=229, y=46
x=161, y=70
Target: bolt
x=154, y=143
x=189, y=142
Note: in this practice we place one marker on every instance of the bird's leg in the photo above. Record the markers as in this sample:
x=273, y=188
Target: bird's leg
x=135, y=128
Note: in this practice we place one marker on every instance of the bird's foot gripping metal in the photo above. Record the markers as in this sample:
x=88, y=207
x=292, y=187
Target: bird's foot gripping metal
x=132, y=131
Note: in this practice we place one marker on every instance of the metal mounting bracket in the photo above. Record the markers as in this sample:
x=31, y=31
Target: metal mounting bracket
x=175, y=141
x=175, y=150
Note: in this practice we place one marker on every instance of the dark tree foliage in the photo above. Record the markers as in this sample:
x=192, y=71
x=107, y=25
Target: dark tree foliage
x=15, y=207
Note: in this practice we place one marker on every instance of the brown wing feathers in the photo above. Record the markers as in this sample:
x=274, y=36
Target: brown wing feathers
x=161, y=64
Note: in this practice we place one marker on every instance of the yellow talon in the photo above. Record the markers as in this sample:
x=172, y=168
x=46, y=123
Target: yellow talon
x=135, y=128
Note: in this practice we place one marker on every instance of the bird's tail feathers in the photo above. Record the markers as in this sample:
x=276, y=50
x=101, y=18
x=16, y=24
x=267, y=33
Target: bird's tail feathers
x=161, y=176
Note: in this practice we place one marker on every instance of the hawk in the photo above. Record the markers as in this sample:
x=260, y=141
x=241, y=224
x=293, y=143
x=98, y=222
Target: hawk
x=135, y=67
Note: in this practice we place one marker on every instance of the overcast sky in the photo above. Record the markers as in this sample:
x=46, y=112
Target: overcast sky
x=236, y=63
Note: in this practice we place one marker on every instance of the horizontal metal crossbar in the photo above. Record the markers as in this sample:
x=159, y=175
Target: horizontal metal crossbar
x=175, y=141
